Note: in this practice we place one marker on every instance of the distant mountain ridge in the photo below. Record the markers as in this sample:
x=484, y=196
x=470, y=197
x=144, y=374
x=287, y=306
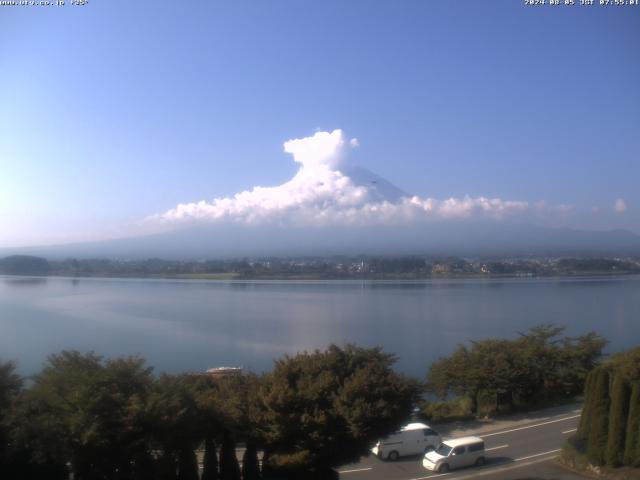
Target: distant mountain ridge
x=225, y=241
x=438, y=237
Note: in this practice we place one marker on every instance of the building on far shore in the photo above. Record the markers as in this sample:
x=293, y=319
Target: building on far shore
x=223, y=372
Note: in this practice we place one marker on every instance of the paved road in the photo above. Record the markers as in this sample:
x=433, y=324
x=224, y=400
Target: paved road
x=522, y=449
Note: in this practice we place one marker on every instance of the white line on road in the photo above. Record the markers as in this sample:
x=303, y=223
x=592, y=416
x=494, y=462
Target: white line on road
x=501, y=467
x=495, y=448
x=538, y=455
x=355, y=470
x=530, y=426
x=432, y=476
x=570, y=431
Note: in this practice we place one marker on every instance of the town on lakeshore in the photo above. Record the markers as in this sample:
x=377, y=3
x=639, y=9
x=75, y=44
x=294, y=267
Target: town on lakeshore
x=321, y=268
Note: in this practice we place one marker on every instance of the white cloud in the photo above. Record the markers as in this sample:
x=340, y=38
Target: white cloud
x=620, y=206
x=320, y=194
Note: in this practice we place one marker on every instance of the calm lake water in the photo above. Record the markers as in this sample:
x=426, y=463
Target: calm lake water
x=193, y=325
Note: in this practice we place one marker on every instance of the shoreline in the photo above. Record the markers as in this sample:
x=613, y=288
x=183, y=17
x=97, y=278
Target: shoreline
x=237, y=278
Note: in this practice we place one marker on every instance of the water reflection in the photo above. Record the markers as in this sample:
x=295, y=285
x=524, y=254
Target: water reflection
x=15, y=281
x=191, y=325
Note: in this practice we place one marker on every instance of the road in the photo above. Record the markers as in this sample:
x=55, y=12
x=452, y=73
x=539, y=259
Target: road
x=524, y=449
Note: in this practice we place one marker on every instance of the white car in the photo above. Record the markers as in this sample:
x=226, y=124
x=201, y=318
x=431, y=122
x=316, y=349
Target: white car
x=412, y=439
x=456, y=453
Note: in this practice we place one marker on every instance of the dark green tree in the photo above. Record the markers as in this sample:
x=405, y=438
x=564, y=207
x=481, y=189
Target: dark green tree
x=167, y=466
x=323, y=409
x=534, y=367
x=210, y=462
x=144, y=466
x=240, y=411
x=187, y=464
x=578, y=356
x=250, y=465
x=17, y=459
x=24, y=265
x=632, y=439
x=10, y=386
x=618, y=414
x=598, y=430
x=175, y=421
x=587, y=408
x=81, y=409
x=229, y=467
x=456, y=374
x=540, y=362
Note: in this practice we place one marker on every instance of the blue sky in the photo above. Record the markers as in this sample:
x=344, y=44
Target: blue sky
x=117, y=111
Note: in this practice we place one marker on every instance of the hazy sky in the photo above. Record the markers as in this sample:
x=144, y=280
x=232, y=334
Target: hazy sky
x=115, y=113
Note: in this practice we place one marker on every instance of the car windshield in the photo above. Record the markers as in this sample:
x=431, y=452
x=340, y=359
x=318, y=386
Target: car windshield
x=443, y=450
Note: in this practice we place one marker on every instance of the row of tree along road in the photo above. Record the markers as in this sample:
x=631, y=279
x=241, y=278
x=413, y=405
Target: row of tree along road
x=609, y=430
x=114, y=419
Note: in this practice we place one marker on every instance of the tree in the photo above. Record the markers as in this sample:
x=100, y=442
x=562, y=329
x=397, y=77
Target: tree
x=541, y=362
x=10, y=386
x=323, y=409
x=250, y=465
x=210, y=462
x=17, y=460
x=617, y=421
x=632, y=439
x=579, y=356
x=187, y=464
x=585, y=418
x=526, y=370
x=610, y=423
x=598, y=429
x=455, y=374
x=144, y=466
x=175, y=421
x=24, y=265
x=82, y=409
x=233, y=409
x=229, y=468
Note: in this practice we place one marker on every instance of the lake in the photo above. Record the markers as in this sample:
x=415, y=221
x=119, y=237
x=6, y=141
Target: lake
x=190, y=325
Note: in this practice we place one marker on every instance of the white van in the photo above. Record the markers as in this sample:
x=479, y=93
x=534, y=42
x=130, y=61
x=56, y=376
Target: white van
x=412, y=439
x=457, y=453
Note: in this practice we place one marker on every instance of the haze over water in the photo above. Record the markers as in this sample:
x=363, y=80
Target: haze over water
x=193, y=325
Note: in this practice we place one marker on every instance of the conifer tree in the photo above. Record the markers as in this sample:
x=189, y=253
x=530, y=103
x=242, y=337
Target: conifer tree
x=599, y=421
x=250, y=465
x=210, y=463
x=618, y=414
x=143, y=468
x=187, y=465
x=632, y=440
x=166, y=467
x=585, y=419
x=229, y=468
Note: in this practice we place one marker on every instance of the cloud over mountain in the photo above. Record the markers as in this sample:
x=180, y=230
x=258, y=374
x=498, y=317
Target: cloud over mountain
x=323, y=192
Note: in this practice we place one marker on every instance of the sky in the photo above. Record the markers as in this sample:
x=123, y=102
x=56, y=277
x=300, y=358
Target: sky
x=121, y=118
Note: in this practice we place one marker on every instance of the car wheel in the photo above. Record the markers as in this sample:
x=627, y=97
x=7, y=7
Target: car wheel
x=444, y=468
x=393, y=456
x=480, y=461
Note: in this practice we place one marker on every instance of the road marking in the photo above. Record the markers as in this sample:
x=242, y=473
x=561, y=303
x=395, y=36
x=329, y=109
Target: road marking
x=491, y=467
x=432, y=476
x=355, y=470
x=495, y=448
x=501, y=467
x=570, y=431
x=538, y=455
x=530, y=426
